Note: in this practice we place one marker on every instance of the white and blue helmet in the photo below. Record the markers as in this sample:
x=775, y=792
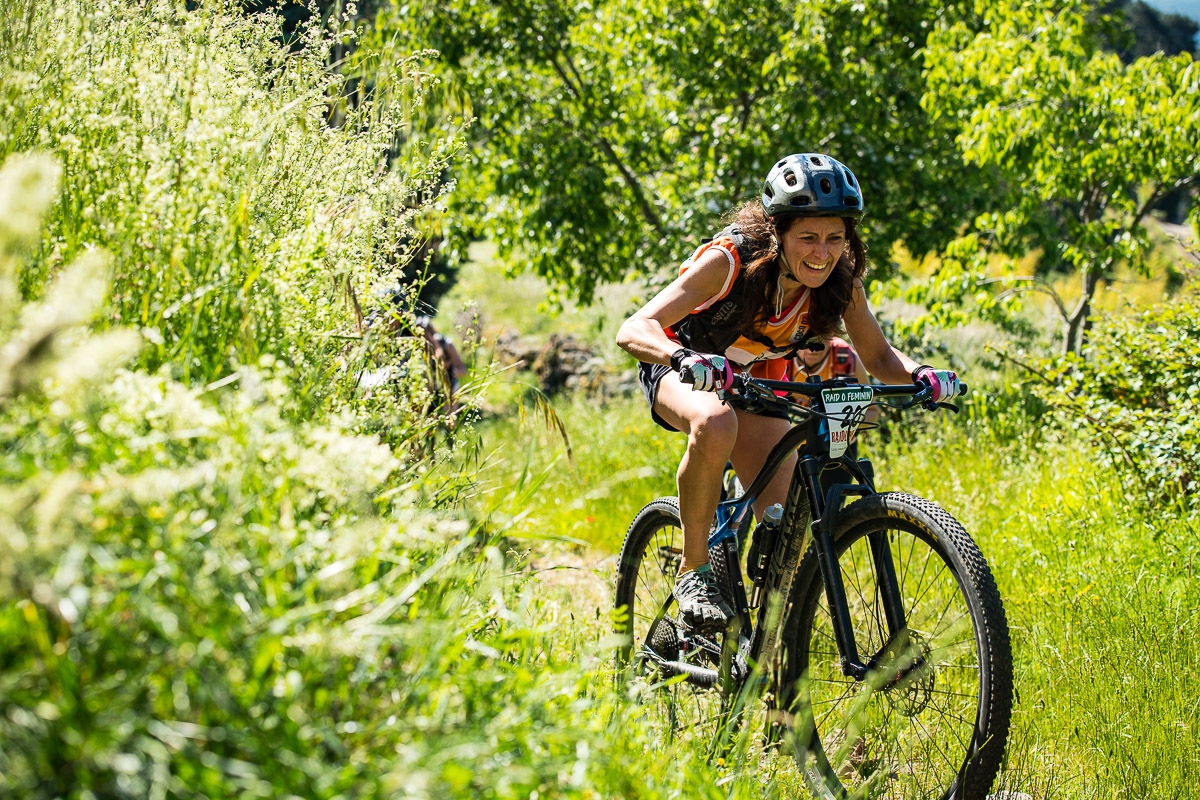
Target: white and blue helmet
x=811, y=185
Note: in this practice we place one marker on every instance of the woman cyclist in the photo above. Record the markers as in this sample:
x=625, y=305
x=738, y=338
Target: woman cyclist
x=786, y=272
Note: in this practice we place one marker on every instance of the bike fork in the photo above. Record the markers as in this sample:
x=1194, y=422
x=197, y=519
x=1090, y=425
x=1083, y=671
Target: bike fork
x=835, y=589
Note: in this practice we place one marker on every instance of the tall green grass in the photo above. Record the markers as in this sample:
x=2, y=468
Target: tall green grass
x=196, y=149
x=212, y=583
x=619, y=460
x=1100, y=591
x=1101, y=601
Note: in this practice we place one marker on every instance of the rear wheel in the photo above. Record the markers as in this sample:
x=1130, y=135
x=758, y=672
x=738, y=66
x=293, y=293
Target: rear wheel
x=931, y=721
x=675, y=675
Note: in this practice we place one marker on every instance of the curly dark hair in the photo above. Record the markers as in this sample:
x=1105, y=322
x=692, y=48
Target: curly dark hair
x=828, y=302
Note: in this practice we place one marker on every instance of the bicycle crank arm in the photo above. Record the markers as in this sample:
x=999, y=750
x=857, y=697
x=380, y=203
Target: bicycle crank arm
x=697, y=676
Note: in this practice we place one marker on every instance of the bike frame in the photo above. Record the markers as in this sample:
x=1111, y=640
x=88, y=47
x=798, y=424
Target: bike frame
x=810, y=439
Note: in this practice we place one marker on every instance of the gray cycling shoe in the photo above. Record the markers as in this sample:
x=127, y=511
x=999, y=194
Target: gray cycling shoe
x=701, y=607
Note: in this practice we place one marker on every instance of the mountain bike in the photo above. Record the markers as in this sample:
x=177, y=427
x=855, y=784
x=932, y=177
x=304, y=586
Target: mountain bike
x=876, y=648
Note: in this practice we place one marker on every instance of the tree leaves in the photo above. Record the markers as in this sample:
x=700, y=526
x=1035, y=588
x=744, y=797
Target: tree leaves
x=1083, y=144
x=610, y=137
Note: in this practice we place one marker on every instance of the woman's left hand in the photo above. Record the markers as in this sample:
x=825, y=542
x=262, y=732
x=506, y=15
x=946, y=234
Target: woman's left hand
x=943, y=383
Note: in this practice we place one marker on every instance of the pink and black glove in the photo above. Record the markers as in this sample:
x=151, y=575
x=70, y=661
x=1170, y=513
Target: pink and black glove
x=943, y=383
x=706, y=373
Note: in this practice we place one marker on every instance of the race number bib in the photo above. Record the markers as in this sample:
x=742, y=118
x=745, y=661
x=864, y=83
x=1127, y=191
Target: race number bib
x=846, y=409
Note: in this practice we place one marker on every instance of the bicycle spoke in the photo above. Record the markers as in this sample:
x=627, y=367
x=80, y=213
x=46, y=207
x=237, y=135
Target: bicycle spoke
x=930, y=738
x=917, y=599
x=682, y=710
x=909, y=737
x=910, y=727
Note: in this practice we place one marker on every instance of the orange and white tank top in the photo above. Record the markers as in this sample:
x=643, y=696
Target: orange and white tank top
x=839, y=361
x=777, y=338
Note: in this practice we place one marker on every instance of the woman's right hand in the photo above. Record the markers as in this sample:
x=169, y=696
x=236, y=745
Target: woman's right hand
x=705, y=372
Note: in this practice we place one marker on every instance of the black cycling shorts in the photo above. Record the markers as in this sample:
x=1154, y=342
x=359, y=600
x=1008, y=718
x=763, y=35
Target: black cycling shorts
x=650, y=374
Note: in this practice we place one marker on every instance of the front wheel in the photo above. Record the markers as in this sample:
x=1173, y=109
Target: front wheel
x=930, y=721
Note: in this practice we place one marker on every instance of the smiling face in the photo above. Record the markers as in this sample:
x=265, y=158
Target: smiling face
x=811, y=246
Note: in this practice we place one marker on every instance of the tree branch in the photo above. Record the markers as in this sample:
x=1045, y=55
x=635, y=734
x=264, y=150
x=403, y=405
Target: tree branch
x=747, y=101
x=556, y=50
x=1039, y=285
x=631, y=181
x=1021, y=364
x=1141, y=212
x=1161, y=191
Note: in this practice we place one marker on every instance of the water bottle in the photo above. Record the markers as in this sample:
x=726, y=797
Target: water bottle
x=760, y=551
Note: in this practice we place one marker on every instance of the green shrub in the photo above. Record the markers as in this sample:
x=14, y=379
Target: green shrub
x=1010, y=411
x=170, y=560
x=206, y=594
x=1136, y=391
x=196, y=149
x=201, y=597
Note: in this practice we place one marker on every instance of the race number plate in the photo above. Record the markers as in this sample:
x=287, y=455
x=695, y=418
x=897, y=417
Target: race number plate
x=846, y=409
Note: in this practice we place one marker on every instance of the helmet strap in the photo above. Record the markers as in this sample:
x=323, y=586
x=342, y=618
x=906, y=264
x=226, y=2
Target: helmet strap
x=787, y=271
x=779, y=250
x=784, y=272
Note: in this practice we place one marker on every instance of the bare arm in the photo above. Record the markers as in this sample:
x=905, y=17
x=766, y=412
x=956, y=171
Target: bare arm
x=860, y=375
x=878, y=356
x=642, y=334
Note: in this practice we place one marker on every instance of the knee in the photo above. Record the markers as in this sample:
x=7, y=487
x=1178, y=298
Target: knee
x=714, y=432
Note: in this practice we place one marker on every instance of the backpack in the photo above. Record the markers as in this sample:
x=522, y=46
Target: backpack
x=843, y=359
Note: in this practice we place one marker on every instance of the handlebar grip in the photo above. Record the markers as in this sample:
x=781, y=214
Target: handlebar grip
x=687, y=377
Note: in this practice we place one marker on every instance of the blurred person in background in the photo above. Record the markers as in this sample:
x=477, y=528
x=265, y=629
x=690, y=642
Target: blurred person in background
x=443, y=364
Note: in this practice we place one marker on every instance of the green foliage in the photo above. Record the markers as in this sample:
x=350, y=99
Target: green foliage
x=608, y=136
x=1083, y=143
x=202, y=596
x=206, y=594
x=1101, y=599
x=172, y=558
x=959, y=292
x=195, y=150
x=1135, y=390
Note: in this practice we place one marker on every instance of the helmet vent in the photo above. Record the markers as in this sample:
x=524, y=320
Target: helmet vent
x=849, y=177
x=801, y=200
x=849, y=201
x=789, y=178
x=769, y=190
x=826, y=186
x=816, y=160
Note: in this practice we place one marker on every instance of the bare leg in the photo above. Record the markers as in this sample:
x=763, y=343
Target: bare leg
x=712, y=431
x=756, y=436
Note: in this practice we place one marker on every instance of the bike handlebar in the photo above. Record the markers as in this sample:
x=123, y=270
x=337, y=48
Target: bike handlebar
x=814, y=389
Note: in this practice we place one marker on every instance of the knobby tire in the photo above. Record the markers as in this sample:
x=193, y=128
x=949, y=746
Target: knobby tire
x=941, y=731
